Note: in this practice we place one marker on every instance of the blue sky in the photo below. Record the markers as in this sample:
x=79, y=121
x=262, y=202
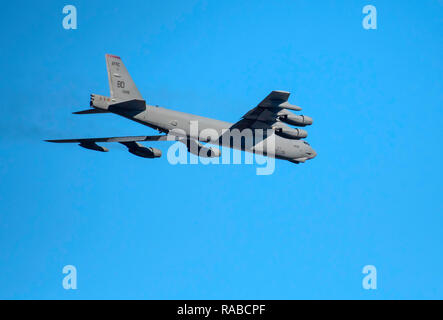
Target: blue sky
x=144, y=229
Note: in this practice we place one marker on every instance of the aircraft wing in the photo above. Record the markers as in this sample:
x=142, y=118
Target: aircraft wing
x=130, y=142
x=274, y=98
x=115, y=139
x=267, y=111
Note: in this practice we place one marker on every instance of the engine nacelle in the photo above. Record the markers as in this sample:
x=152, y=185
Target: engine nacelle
x=296, y=120
x=291, y=133
x=145, y=152
x=287, y=105
x=93, y=146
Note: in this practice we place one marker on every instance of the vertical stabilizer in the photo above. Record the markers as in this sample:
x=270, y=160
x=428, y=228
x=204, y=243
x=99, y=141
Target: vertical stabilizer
x=120, y=82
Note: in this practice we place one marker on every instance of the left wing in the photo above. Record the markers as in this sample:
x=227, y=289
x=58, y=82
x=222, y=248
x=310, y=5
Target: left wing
x=115, y=139
x=134, y=147
x=130, y=142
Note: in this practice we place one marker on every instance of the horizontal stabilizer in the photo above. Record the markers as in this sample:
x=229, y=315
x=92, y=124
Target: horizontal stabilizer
x=133, y=105
x=90, y=111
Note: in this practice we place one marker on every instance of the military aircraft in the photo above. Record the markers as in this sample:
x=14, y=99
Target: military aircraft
x=263, y=130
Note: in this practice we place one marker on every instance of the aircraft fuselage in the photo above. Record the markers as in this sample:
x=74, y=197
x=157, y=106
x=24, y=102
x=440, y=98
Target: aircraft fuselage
x=196, y=127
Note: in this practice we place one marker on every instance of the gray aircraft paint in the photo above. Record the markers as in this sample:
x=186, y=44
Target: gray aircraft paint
x=126, y=101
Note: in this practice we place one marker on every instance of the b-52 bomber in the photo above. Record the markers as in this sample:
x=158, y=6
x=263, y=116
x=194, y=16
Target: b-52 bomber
x=268, y=122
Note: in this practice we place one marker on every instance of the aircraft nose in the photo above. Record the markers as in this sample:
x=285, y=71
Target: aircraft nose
x=313, y=154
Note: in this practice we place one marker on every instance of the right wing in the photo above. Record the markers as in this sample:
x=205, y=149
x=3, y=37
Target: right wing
x=270, y=114
x=269, y=109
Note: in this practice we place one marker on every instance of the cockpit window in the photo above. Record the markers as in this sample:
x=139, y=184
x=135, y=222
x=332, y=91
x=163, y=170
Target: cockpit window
x=306, y=143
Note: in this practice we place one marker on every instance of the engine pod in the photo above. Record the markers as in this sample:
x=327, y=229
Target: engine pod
x=296, y=120
x=146, y=152
x=91, y=145
x=290, y=133
x=141, y=151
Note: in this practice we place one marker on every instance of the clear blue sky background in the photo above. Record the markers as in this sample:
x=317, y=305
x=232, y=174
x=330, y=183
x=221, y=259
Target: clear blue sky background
x=144, y=229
